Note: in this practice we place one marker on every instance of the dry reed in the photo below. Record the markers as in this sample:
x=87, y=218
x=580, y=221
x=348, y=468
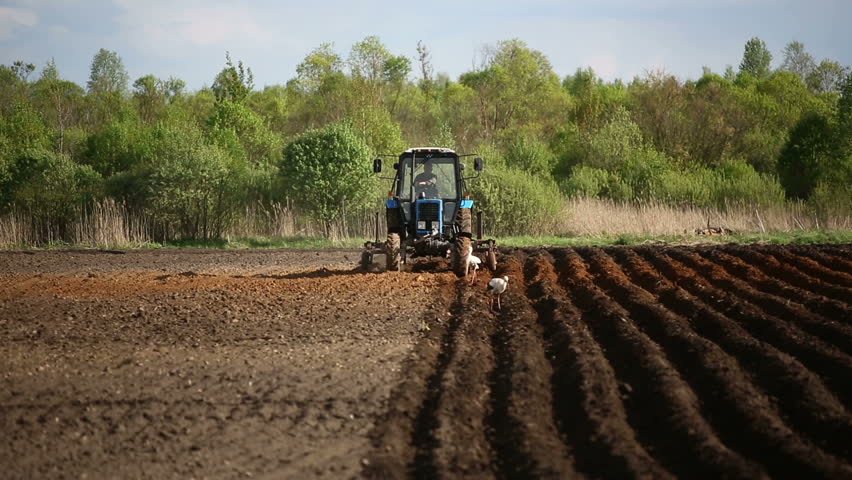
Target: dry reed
x=592, y=217
x=111, y=224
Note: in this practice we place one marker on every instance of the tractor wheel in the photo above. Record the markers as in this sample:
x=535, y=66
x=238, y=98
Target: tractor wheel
x=459, y=252
x=464, y=221
x=491, y=260
x=366, y=261
x=392, y=250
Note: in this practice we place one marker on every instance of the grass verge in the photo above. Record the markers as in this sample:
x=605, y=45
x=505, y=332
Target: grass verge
x=798, y=237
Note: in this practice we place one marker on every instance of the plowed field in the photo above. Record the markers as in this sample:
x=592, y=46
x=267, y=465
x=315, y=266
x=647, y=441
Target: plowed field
x=622, y=362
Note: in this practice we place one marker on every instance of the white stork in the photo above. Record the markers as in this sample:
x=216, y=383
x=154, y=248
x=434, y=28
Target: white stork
x=471, y=262
x=496, y=286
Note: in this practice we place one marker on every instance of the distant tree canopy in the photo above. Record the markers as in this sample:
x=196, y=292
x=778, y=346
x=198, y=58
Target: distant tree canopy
x=108, y=74
x=756, y=59
x=191, y=160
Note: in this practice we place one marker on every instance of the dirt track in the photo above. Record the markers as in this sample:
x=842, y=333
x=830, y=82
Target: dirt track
x=619, y=362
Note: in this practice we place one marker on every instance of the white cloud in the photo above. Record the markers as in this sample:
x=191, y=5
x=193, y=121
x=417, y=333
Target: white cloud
x=174, y=29
x=12, y=19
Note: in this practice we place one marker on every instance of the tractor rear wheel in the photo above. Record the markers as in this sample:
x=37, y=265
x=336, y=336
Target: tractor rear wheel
x=464, y=220
x=459, y=254
x=393, y=254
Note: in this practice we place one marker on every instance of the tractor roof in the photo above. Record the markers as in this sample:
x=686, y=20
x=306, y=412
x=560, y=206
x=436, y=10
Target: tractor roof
x=429, y=150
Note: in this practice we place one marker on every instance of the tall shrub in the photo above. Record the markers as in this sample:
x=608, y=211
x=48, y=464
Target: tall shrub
x=516, y=202
x=192, y=189
x=328, y=170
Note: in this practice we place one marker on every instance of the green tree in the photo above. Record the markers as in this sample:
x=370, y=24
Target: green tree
x=515, y=201
x=844, y=106
x=107, y=74
x=191, y=189
x=24, y=129
x=14, y=89
x=320, y=92
x=273, y=106
x=50, y=72
x=516, y=85
x=121, y=145
x=611, y=146
x=23, y=70
x=51, y=188
x=328, y=170
x=313, y=71
x=396, y=70
x=376, y=127
x=459, y=107
x=61, y=103
x=367, y=59
x=757, y=59
x=236, y=128
x=807, y=156
x=526, y=152
x=234, y=82
x=424, y=60
x=585, y=86
x=797, y=60
x=826, y=77
x=149, y=93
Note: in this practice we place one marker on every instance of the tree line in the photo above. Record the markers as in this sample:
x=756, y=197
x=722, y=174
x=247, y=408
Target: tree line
x=190, y=162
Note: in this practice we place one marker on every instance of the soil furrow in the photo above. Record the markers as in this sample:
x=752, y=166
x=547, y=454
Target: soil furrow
x=791, y=274
x=823, y=257
x=464, y=449
x=838, y=250
x=800, y=394
x=810, y=267
x=833, y=365
x=588, y=408
x=523, y=434
x=653, y=394
x=779, y=283
x=665, y=410
x=775, y=303
x=779, y=449
x=404, y=441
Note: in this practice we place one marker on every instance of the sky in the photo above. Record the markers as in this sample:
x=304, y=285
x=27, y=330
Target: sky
x=187, y=39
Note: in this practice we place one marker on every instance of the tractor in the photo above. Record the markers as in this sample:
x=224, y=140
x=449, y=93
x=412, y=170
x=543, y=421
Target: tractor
x=429, y=211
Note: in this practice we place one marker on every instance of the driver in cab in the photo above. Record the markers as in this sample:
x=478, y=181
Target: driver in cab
x=426, y=182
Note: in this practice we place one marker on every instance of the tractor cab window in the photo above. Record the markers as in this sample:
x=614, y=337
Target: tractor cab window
x=433, y=178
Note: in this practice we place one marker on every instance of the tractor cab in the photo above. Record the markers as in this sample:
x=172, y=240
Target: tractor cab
x=429, y=190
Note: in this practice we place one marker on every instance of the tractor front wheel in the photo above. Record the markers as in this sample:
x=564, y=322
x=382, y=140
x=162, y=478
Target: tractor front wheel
x=393, y=253
x=459, y=254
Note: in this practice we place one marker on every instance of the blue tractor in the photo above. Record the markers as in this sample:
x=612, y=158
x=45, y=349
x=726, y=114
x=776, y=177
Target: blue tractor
x=429, y=211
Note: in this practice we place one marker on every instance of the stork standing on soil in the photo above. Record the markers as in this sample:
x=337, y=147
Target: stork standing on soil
x=471, y=261
x=496, y=286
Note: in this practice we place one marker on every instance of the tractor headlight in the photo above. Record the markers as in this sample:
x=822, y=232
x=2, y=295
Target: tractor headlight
x=421, y=225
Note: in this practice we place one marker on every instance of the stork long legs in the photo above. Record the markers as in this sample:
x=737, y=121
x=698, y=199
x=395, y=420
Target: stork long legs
x=491, y=305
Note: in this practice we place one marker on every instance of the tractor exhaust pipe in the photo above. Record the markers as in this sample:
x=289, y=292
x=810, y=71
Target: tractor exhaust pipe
x=377, y=227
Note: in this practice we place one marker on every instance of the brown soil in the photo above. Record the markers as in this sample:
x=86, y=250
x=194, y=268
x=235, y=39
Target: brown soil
x=645, y=362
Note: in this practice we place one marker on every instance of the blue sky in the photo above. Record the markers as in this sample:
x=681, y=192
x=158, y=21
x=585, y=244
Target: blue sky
x=618, y=38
